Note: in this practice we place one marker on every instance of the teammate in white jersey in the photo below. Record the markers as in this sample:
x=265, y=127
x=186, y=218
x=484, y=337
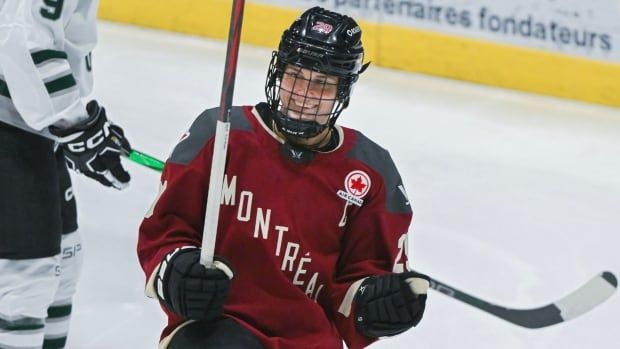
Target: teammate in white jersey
x=45, y=71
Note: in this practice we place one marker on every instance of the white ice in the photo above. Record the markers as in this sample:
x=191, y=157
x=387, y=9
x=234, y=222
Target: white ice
x=516, y=196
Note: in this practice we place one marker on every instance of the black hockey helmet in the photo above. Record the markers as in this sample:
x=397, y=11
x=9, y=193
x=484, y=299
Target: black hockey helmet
x=322, y=41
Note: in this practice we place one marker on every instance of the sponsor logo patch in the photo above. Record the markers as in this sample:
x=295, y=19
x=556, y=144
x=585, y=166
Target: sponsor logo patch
x=357, y=184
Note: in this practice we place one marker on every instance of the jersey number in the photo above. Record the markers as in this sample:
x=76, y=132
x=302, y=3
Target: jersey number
x=400, y=265
x=52, y=9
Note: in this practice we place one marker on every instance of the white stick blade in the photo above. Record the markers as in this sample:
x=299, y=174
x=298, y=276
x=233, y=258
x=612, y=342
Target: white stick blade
x=588, y=296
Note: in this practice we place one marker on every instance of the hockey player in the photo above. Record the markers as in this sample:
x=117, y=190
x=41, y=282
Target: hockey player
x=45, y=70
x=313, y=225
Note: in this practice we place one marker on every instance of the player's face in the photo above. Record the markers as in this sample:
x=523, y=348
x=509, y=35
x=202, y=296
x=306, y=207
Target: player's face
x=307, y=95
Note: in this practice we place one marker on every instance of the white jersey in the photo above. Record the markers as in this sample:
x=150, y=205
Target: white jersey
x=45, y=67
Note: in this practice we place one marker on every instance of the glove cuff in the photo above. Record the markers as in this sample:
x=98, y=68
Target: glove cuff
x=70, y=133
x=418, y=283
x=222, y=264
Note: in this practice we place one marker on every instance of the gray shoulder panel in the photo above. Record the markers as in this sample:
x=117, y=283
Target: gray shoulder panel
x=203, y=130
x=380, y=160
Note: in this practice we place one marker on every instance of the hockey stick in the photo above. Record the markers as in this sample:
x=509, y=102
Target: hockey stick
x=220, y=145
x=580, y=301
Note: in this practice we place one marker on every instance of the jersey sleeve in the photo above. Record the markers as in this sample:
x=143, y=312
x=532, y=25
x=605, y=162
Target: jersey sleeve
x=375, y=243
x=176, y=218
x=44, y=59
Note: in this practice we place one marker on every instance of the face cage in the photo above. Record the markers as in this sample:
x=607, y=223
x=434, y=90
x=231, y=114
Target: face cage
x=297, y=127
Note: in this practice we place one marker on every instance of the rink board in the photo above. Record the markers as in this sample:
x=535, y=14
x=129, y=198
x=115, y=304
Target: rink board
x=395, y=46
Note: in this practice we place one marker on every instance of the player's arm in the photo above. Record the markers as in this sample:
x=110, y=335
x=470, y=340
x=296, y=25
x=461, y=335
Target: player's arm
x=46, y=85
x=38, y=78
x=373, y=292
x=171, y=233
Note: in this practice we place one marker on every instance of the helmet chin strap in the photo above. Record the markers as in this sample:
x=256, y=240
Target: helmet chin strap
x=298, y=129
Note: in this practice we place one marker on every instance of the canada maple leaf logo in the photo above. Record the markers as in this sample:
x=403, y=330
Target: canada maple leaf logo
x=357, y=184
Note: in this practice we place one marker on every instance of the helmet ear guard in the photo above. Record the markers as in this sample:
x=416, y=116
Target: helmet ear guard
x=322, y=41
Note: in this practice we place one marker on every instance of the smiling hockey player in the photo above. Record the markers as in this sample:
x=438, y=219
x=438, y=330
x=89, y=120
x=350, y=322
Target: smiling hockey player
x=314, y=218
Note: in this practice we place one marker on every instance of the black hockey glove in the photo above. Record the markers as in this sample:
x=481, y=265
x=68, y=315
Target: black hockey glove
x=390, y=304
x=190, y=289
x=94, y=146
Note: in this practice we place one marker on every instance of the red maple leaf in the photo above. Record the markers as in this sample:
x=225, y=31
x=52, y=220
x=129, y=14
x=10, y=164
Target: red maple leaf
x=357, y=184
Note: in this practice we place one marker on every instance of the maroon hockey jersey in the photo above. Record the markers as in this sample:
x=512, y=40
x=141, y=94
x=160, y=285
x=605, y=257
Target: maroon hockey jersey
x=301, y=235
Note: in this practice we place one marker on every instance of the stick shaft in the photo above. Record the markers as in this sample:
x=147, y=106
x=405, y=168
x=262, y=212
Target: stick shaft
x=220, y=146
x=232, y=54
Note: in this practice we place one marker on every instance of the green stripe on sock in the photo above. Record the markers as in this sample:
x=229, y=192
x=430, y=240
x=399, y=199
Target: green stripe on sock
x=60, y=84
x=45, y=55
x=25, y=324
x=59, y=311
x=56, y=343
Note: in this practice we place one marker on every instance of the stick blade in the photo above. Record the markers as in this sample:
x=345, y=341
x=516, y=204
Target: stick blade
x=582, y=300
x=588, y=296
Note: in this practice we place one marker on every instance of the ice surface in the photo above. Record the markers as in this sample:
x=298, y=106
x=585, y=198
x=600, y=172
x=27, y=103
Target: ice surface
x=516, y=196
